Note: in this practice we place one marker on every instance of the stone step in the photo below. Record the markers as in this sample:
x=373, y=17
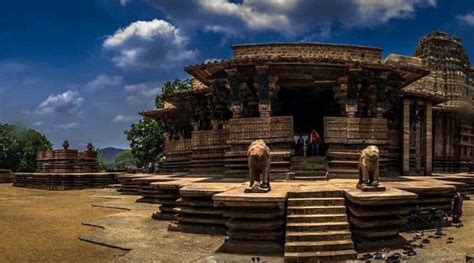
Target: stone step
x=313, y=227
x=315, y=194
x=316, y=201
x=315, y=246
x=326, y=256
x=306, y=159
x=316, y=218
x=342, y=176
x=343, y=163
x=318, y=236
x=306, y=167
x=302, y=174
x=333, y=155
x=310, y=178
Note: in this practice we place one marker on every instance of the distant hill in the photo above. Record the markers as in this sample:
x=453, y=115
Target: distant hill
x=108, y=154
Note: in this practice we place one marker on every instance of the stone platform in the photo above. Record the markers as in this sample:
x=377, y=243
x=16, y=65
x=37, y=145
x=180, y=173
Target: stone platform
x=328, y=220
x=64, y=181
x=6, y=176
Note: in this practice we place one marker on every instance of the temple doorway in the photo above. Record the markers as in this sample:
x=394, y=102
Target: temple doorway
x=308, y=106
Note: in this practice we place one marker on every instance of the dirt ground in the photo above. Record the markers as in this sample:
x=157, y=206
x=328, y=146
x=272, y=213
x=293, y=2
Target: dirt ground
x=45, y=226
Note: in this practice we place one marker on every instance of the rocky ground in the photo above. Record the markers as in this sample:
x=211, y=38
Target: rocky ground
x=68, y=226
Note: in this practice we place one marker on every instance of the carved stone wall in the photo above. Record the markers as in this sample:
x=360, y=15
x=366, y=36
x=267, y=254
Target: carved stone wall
x=307, y=50
x=342, y=130
x=178, y=155
x=208, y=151
x=277, y=132
x=271, y=129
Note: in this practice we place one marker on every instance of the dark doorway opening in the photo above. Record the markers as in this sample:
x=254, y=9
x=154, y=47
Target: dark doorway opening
x=308, y=106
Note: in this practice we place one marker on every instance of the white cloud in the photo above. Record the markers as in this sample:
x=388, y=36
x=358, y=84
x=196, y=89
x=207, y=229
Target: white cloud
x=103, y=81
x=149, y=44
x=467, y=18
x=38, y=123
x=211, y=60
x=68, y=103
x=290, y=18
x=124, y=118
x=252, y=18
x=67, y=126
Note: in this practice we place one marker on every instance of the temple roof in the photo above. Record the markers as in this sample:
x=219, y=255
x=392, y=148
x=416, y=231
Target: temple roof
x=409, y=71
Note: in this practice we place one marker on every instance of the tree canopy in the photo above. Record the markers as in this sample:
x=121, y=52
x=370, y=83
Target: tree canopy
x=146, y=136
x=171, y=87
x=19, y=146
x=124, y=159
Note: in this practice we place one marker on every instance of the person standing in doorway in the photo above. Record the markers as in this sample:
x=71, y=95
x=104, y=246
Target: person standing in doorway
x=314, y=140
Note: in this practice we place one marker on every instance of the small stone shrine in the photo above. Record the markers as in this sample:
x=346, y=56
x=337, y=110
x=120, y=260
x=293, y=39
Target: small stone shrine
x=65, y=169
x=67, y=160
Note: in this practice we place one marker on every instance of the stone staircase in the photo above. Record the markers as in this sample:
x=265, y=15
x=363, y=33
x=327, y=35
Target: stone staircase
x=236, y=164
x=317, y=228
x=309, y=168
x=343, y=164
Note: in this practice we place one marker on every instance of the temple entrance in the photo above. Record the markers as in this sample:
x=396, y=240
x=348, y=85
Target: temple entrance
x=308, y=106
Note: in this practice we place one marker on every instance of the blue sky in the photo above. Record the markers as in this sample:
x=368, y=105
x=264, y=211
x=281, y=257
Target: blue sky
x=81, y=70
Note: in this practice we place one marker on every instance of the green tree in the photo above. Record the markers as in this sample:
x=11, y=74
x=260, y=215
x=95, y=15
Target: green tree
x=19, y=146
x=124, y=159
x=170, y=88
x=102, y=165
x=146, y=136
x=146, y=141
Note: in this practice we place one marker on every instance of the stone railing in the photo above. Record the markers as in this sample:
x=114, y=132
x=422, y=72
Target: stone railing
x=270, y=129
x=177, y=146
x=208, y=138
x=342, y=130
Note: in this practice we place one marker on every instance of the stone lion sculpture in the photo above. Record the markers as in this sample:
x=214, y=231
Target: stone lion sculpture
x=369, y=166
x=259, y=167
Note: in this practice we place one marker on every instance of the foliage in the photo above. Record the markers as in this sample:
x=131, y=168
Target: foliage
x=171, y=87
x=124, y=159
x=146, y=136
x=19, y=146
x=102, y=165
x=146, y=141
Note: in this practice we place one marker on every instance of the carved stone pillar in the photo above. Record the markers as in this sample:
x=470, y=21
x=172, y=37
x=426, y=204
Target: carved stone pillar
x=406, y=137
x=263, y=90
x=340, y=94
x=381, y=97
x=215, y=124
x=372, y=100
x=352, y=90
x=234, y=87
x=428, y=125
x=417, y=146
x=195, y=125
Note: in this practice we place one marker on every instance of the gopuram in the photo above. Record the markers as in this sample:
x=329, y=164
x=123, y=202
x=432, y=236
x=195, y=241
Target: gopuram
x=417, y=110
x=406, y=121
x=65, y=169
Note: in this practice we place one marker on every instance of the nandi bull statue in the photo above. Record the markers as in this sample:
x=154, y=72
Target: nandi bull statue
x=369, y=170
x=259, y=167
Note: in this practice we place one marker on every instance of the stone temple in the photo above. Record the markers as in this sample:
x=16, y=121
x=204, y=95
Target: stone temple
x=418, y=110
